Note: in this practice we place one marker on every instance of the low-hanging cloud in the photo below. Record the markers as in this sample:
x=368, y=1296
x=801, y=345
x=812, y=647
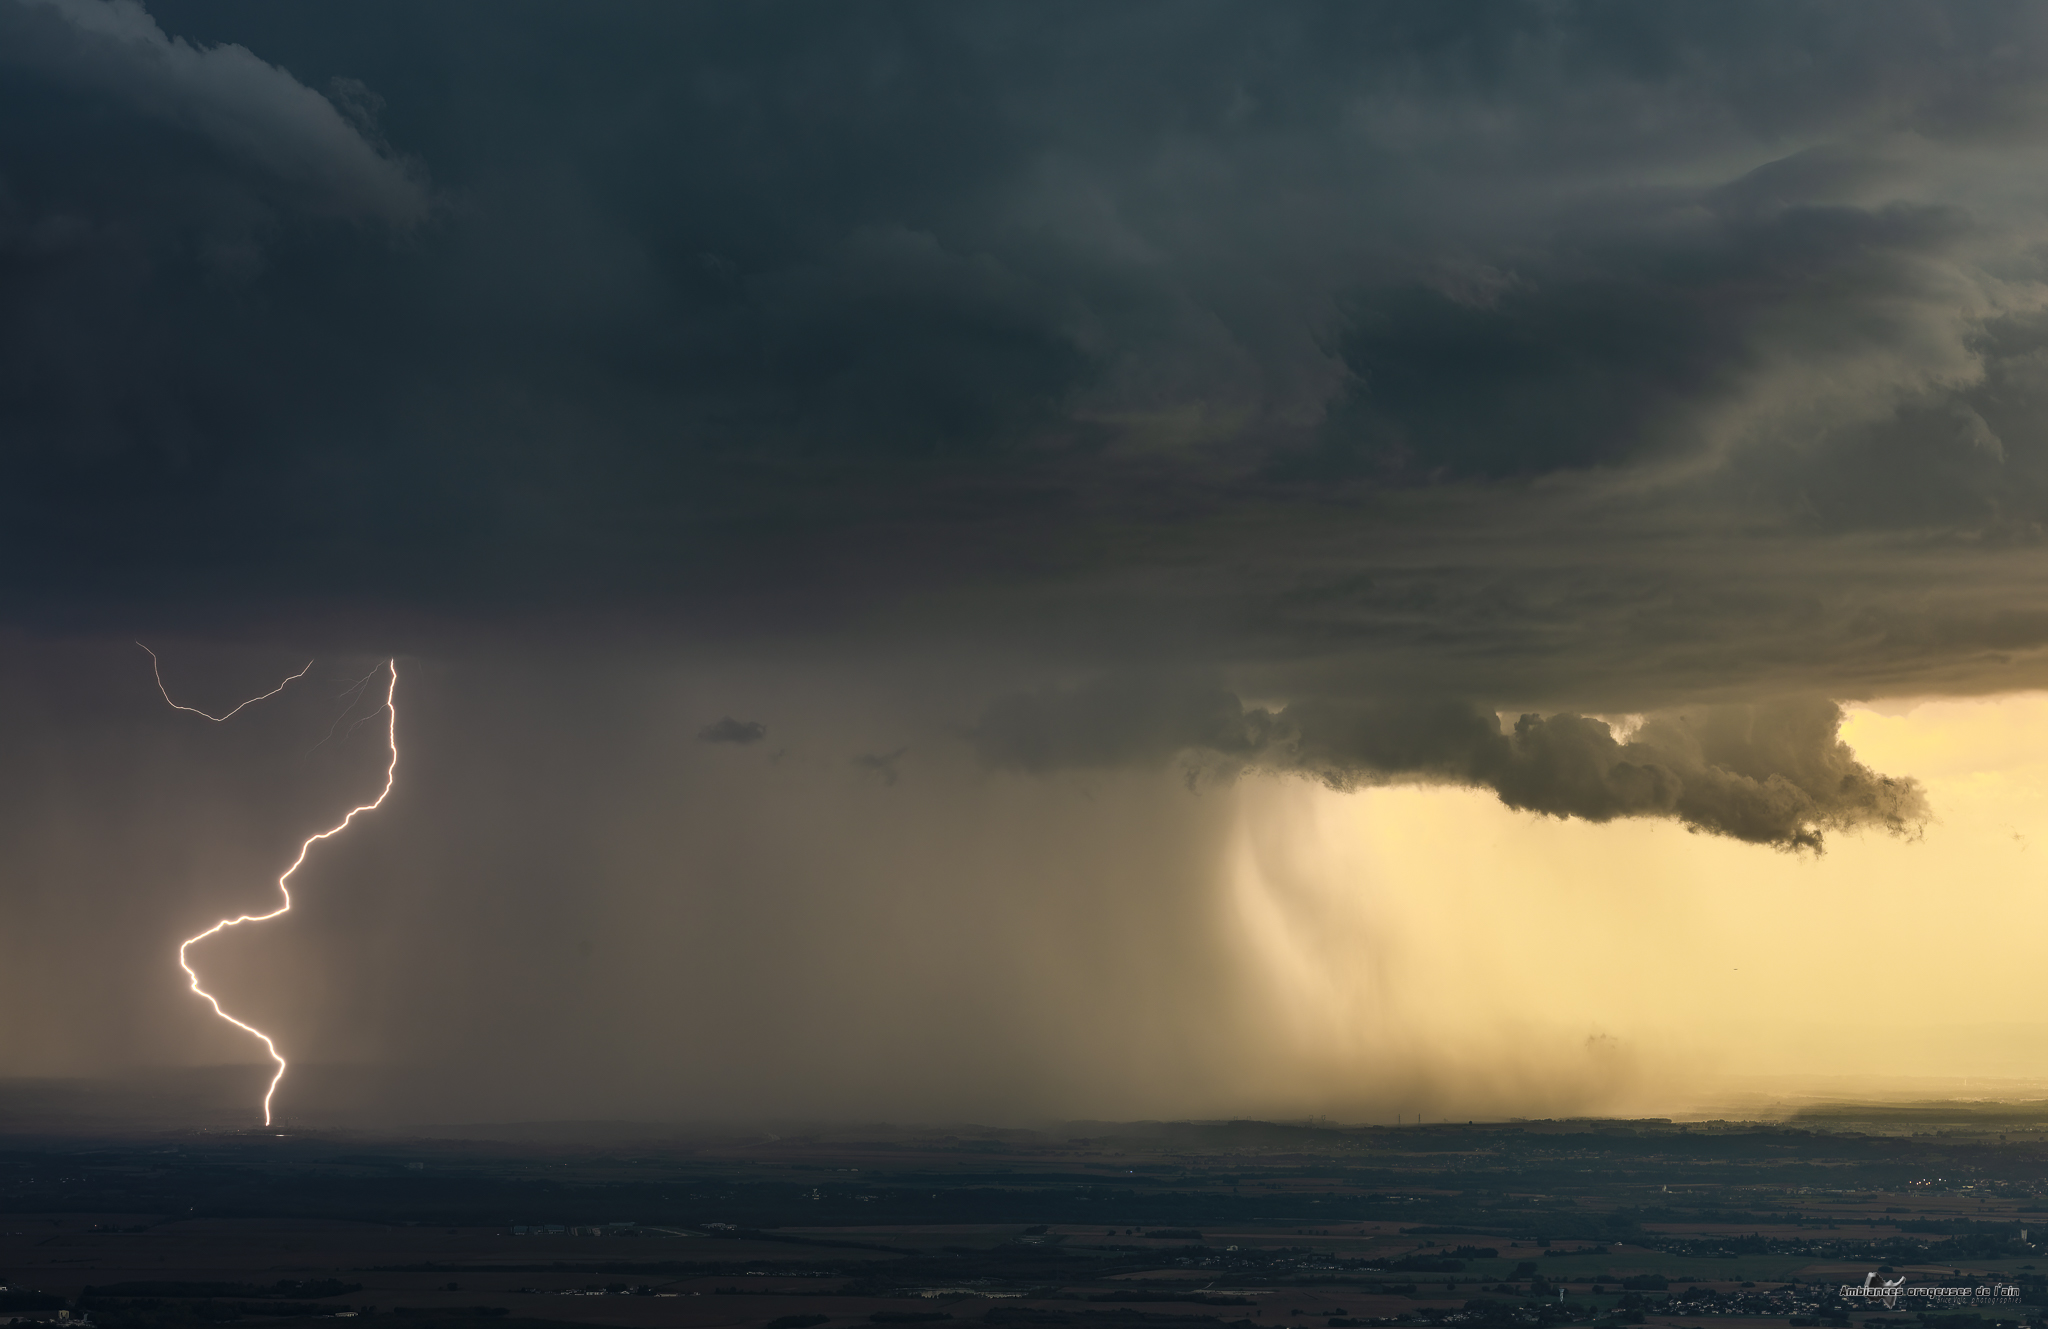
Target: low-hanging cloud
x=1774, y=773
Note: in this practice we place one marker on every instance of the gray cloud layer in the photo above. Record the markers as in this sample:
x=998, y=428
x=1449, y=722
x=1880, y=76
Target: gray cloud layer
x=1513, y=344
x=1564, y=360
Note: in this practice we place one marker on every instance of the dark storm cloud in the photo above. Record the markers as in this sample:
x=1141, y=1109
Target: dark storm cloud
x=1582, y=359
x=1774, y=774
x=250, y=112
x=1538, y=355
x=1565, y=359
x=702, y=299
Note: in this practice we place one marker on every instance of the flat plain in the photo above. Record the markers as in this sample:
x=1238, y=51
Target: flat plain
x=1090, y=1226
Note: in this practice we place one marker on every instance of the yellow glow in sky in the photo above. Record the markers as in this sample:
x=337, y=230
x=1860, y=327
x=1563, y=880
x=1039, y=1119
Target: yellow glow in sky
x=1429, y=950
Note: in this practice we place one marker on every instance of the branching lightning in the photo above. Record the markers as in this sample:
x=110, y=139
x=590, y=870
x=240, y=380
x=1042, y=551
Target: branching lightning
x=157, y=669
x=390, y=708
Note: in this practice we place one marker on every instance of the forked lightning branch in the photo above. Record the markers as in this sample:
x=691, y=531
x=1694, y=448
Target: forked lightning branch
x=284, y=879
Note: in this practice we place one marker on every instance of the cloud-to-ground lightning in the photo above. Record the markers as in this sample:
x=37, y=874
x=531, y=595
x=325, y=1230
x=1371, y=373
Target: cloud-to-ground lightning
x=284, y=879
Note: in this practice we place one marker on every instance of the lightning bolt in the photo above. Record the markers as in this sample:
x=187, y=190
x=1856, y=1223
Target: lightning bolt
x=390, y=708
x=158, y=670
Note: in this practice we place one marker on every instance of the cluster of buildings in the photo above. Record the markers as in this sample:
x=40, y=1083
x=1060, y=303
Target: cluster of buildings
x=83, y=1320
x=575, y=1230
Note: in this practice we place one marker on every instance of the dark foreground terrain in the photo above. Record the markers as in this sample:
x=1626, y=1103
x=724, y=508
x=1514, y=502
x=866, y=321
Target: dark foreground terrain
x=1097, y=1226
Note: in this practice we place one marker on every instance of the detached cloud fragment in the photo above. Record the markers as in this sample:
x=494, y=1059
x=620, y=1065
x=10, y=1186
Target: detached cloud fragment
x=730, y=730
x=1774, y=773
x=243, y=104
x=881, y=764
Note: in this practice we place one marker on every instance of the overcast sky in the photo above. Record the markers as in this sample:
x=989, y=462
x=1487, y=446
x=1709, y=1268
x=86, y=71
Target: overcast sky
x=894, y=473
